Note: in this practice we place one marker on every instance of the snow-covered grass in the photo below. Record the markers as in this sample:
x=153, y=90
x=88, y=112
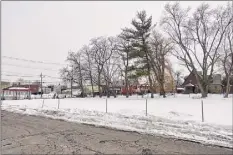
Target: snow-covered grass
x=178, y=116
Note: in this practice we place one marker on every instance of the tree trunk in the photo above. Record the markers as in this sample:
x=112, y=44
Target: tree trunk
x=126, y=86
x=90, y=74
x=204, y=93
x=100, y=94
x=163, y=76
x=107, y=88
x=150, y=80
x=151, y=87
x=162, y=90
x=92, y=85
x=81, y=80
x=227, y=87
x=203, y=87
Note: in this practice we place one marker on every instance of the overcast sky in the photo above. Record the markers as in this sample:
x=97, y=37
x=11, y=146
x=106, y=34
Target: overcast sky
x=46, y=31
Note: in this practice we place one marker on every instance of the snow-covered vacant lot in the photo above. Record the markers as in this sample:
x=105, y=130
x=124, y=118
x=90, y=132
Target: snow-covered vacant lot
x=179, y=117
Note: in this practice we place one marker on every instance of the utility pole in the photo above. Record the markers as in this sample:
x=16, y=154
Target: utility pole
x=41, y=84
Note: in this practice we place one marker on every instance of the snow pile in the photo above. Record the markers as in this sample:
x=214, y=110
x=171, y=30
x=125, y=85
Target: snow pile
x=178, y=116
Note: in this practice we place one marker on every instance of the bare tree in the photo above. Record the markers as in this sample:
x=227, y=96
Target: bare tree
x=110, y=72
x=160, y=48
x=20, y=80
x=76, y=74
x=102, y=50
x=178, y=78
x=90, y=66
x=198, y=38
x=227, y=57
x=67, y=76
x=111, y=67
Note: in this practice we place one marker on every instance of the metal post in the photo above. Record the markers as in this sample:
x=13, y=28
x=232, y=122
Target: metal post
x=146, y=107
x=202, y=111
x=58, y=104
x=106, y=105
x=43, y=103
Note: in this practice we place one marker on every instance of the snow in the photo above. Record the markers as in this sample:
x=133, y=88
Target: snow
x=18, y=88
x=189, y=85
x=177, y=116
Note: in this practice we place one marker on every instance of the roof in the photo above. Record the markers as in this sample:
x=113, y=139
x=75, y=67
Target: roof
x=17, y=89
x=189, y=85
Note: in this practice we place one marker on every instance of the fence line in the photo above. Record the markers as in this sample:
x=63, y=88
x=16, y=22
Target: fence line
x=143, y=105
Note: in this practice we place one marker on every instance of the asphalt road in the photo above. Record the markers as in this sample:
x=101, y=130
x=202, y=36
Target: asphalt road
x=23, y=134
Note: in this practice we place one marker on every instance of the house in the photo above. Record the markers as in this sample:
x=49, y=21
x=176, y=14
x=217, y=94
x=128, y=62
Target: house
x=135, y=86
x=141, y=85
x=216, y=85
x=224, y=82
x=46, y=90
x=16, y=93
x=34, y=88
x=190, y=84
x=179, y=90
x=88, y=89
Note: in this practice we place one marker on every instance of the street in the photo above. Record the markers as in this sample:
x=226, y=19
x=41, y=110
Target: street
x=23, y=134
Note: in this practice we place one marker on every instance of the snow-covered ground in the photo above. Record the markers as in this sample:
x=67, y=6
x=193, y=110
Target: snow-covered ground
x=179, y=116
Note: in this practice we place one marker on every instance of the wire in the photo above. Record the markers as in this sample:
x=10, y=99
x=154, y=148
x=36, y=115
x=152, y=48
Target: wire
x=31, y=76
x=17, y=75
x=52, y=77
x=19, y=59
x=52, y=82
x=29, y=67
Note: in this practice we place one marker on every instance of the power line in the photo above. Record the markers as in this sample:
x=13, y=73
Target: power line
x=27, y=60
x=7, y=72
x=26, y=80
x=52, y=77
x=17, y=75
x=31, y=76
x=20, y=66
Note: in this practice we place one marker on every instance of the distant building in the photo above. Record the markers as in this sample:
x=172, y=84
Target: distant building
x=16, y=93
x=46, y=90
x=190, y=84
x=34, y=88
x=216, y=85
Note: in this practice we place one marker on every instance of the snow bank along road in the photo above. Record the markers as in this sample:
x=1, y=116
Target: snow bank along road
x=177, y=117
x=24, y=134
